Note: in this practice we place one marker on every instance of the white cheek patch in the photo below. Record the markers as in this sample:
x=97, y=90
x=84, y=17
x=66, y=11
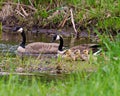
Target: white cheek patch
x=20, y=30
x=58, y=37
x=61, y=52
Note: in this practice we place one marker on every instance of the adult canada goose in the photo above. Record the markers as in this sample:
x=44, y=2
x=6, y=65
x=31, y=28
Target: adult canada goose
x=36, y=47
x=76, y=51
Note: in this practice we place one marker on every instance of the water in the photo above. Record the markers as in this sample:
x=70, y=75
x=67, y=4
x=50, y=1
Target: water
x=21, y=77
x=10, y=41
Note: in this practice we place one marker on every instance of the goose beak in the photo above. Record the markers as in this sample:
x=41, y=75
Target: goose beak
x=52, y=40
x=17, y=29
x=14, y=29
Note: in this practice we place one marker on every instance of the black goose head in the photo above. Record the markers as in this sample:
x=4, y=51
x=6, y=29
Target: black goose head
x=56, y=37
x=18, y=29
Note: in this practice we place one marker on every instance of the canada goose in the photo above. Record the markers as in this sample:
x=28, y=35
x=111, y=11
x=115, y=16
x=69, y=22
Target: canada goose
x=76, y=51
x=36, y=47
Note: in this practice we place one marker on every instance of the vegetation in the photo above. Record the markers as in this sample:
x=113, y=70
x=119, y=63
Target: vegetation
x=98, y=77
x=89, y=13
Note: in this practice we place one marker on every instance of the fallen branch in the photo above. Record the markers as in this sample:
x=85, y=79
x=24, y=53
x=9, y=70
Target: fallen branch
x=62, y=23
x=25, y=13
x=18, y=12
x=72, y=20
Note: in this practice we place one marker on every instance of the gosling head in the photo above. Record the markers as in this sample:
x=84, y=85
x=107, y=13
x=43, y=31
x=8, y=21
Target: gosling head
x=86, y=52
x=67, y=52
x=77, y=52
x=18, y=29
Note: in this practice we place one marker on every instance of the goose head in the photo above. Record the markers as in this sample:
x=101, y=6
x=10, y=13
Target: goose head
x=18, y=29
x=21, y=47
x=58, y=37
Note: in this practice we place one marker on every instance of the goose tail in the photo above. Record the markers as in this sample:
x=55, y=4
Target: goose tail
x=97, y=52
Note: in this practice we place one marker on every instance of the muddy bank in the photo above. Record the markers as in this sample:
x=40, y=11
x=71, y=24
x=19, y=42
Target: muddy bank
x=43, y=19
x=33, y=66
x=66, y=32
x=27, y=18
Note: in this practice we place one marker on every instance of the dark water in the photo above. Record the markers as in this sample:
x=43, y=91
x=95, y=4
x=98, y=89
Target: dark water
x=44, y=78
x=37, y=76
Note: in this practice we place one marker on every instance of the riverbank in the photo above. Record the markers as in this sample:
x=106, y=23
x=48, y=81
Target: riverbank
x=87, y=15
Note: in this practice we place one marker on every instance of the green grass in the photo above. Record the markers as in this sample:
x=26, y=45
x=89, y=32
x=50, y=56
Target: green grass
x=101, y=14
x=0, y=30
x=103, y=82
x=29, y=64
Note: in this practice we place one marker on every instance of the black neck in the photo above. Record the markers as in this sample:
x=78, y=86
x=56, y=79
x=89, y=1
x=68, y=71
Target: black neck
x=60, y=48
x=23, y=39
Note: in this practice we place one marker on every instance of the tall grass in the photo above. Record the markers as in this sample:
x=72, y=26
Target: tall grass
x=0, y=30
x=103, y=82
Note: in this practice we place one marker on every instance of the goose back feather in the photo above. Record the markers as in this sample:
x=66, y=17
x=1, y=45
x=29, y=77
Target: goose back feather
x=90, y=47
x=41, y=47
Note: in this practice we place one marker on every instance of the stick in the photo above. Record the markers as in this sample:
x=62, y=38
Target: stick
x=18, y=12
x=72, y=20
x=66, y=18
x=25, y=13
x=62, y=23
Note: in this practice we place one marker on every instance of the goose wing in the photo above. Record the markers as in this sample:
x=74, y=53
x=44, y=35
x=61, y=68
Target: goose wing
x=41, y=47
x=93, y=47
